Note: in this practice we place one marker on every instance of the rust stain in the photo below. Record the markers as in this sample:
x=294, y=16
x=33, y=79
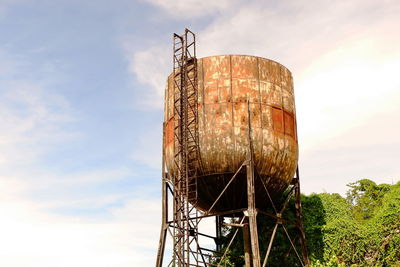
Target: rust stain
x=226, y=83
x=277, y=122
x=289, y=124
x=169, y=132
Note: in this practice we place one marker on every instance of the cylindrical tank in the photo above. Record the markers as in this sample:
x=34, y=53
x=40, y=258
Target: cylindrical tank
x=228, y=87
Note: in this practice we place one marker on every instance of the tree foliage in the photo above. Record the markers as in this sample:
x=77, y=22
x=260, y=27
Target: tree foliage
x=365, y=196
x=362, y=229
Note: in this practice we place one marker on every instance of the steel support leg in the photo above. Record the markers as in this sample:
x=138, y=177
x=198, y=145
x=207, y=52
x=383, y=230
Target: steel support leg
x=252, y=213
x=218, y=232
x=164, y=215
x=246, y=244
x=164, y=225
x=300, y=220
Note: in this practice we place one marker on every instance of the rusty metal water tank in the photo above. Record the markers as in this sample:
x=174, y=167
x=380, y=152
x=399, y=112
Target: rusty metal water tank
x=228, y=86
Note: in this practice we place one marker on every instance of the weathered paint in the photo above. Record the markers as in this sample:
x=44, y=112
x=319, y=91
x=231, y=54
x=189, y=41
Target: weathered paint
x=225, y=85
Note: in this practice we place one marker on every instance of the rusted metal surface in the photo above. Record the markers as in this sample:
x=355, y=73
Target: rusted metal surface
x=227, y=86
x=230, y=147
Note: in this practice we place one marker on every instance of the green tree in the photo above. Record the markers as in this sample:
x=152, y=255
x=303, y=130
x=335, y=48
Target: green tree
x=362, y=229
x=385, y=226
x=365, y=196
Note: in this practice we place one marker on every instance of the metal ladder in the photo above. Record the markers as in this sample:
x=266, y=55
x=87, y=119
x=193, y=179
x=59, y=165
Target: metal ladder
x=186, y=149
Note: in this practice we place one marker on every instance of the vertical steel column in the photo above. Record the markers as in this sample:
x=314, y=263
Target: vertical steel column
x=251, y=196
x=252, y=213
x=164, y=215
x=178, y=228
x=218, y=232
x=299, y=217
x=246, y=243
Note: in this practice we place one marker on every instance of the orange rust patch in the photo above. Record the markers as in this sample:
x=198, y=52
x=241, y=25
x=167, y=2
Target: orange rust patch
x=277, y=119
x=289, y=124
x=169, y=131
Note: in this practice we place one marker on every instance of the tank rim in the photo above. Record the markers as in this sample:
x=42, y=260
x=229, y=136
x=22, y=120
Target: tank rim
x=247, y=55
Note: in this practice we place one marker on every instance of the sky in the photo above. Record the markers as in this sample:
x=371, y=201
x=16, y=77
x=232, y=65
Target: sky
x=81, y=91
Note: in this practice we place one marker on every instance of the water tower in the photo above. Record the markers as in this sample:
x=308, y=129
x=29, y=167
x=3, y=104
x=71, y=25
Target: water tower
x=229, y=150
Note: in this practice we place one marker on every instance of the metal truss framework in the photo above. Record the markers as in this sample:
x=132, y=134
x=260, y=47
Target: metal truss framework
x=203, y=256
x=183, y=227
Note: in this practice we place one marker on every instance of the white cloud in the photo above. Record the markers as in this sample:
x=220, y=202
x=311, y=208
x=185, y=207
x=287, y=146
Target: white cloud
x=33, y=122
x=295, y=33
x=344, y=58
x=151, y=68
x=30, y=121
x=290, y=32
x=191, y=8
x=31, y=237
x=370, y=150
x=346, y=87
